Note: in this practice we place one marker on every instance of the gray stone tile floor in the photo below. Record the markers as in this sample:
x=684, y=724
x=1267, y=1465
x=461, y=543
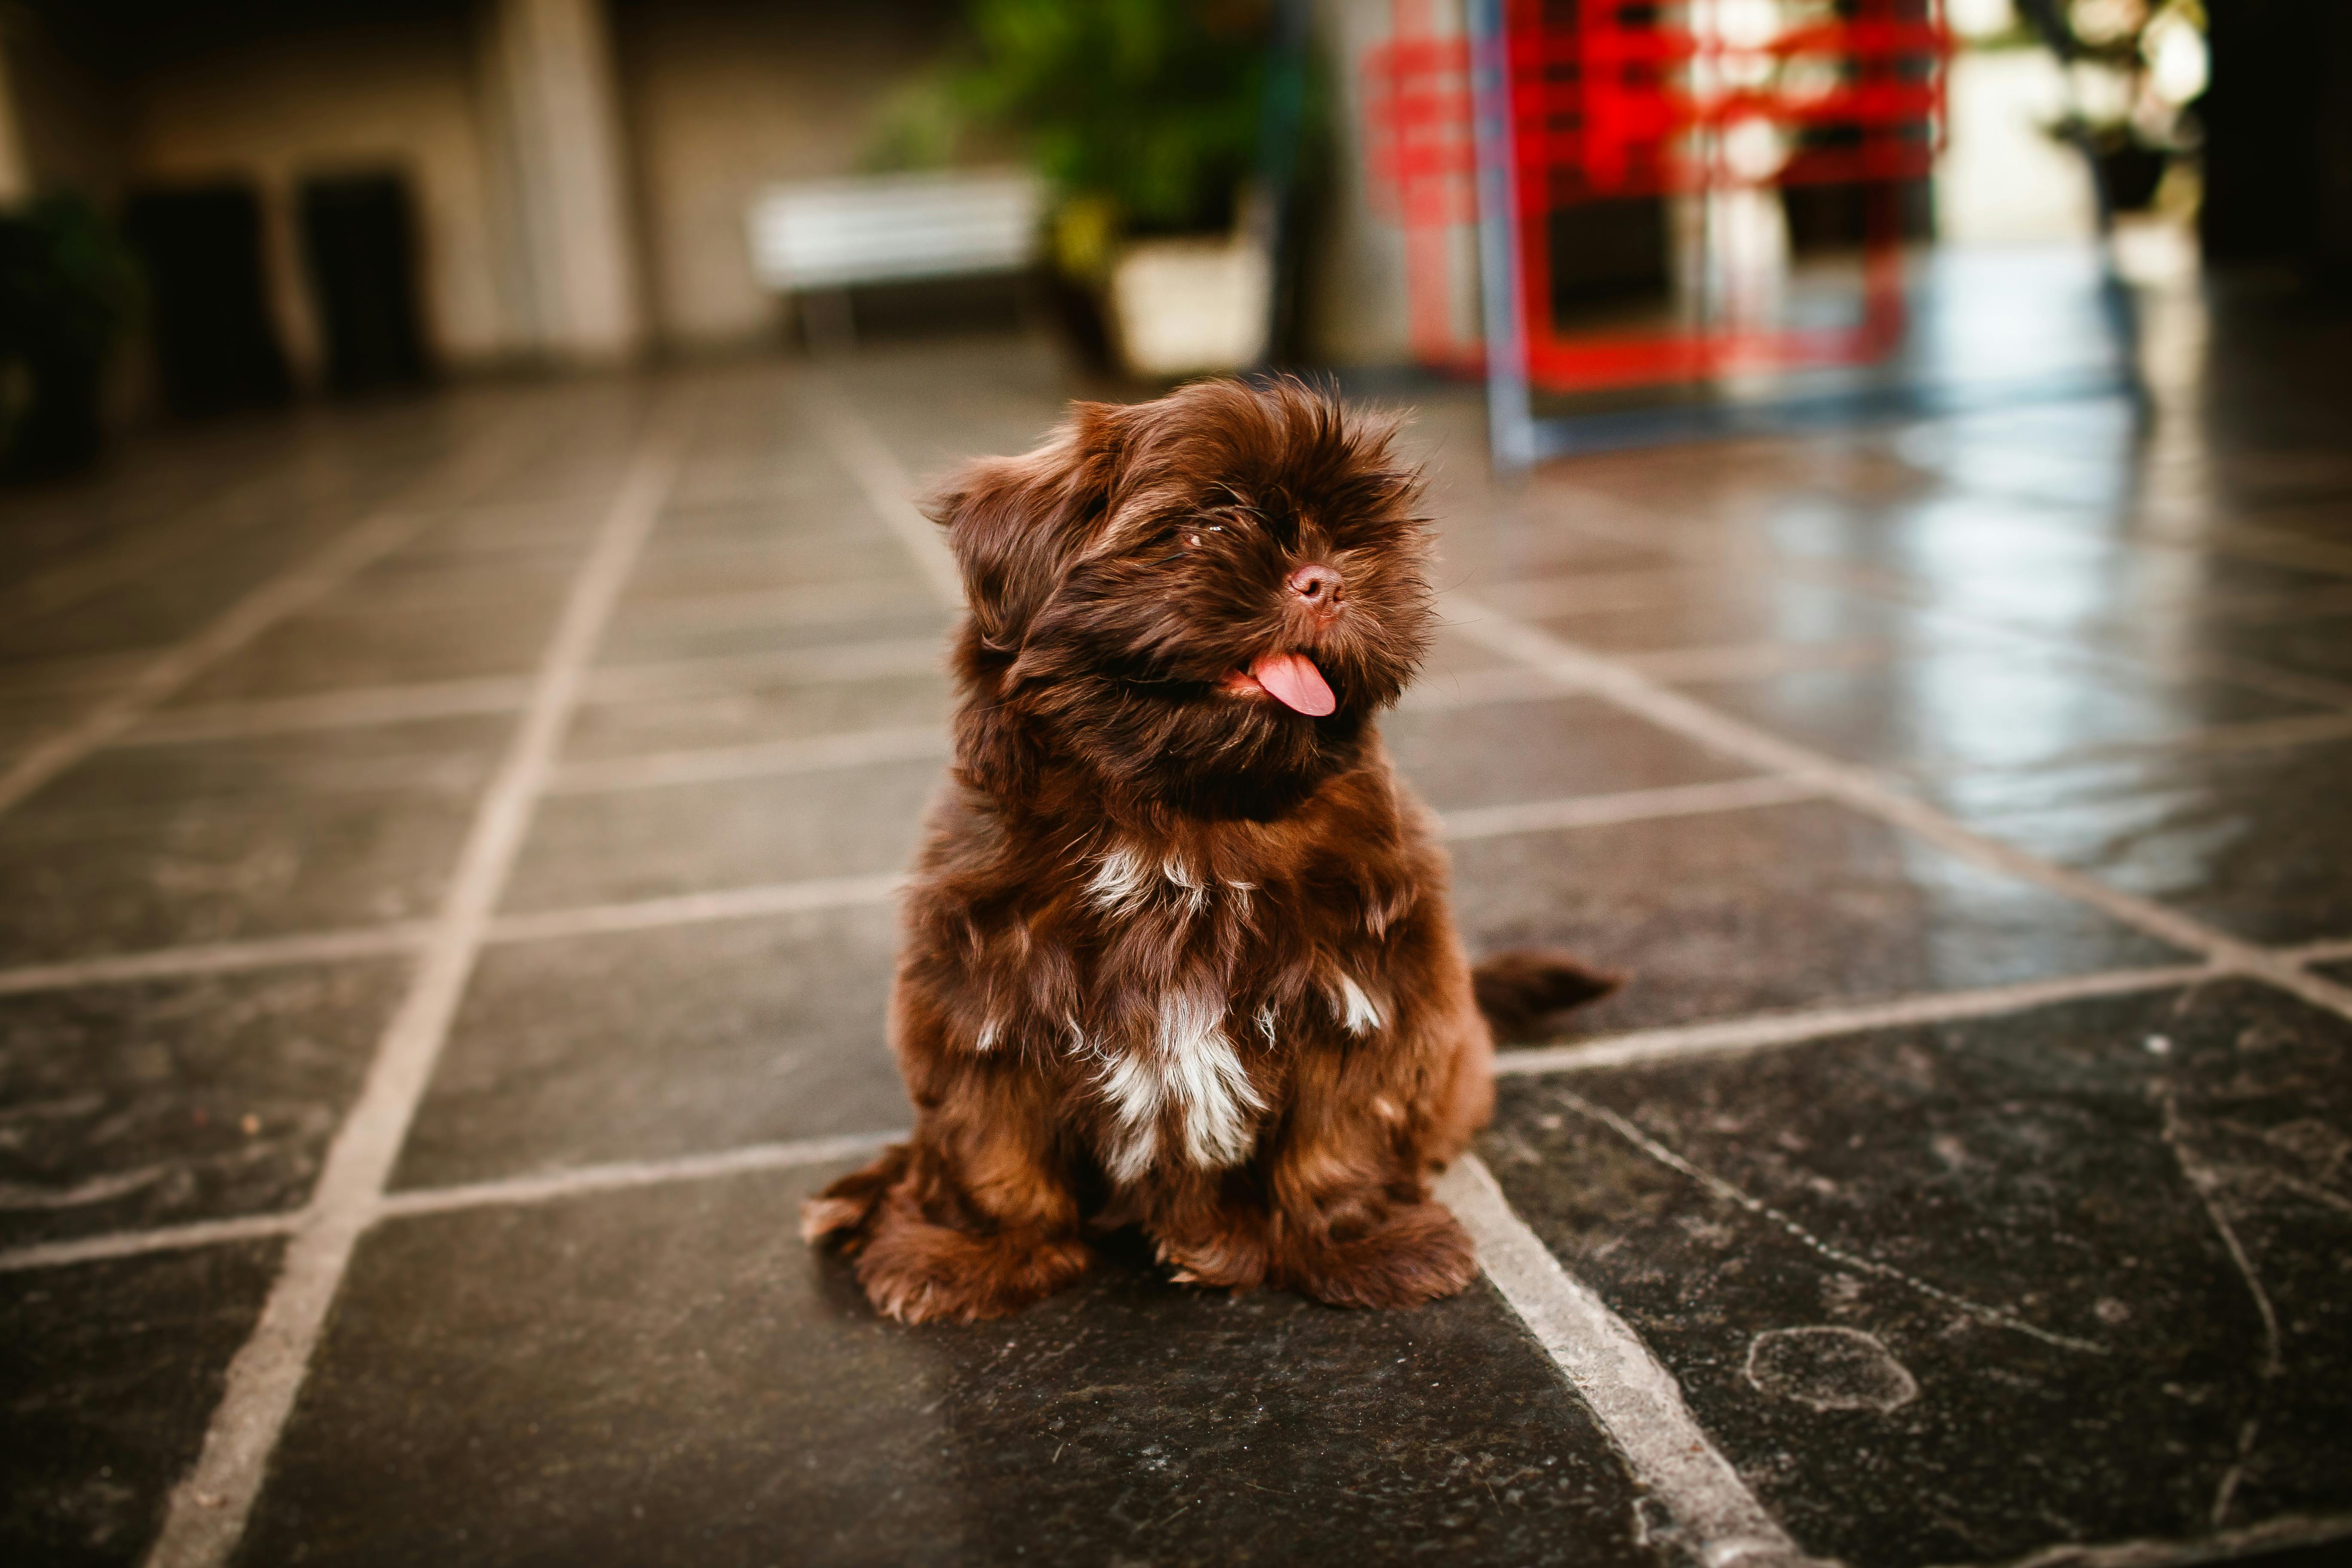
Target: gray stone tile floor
x=449, y=853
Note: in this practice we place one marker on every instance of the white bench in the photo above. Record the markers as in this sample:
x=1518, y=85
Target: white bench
x=816, y=239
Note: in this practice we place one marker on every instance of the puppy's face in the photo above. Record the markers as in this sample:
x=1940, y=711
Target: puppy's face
x=1202, y=599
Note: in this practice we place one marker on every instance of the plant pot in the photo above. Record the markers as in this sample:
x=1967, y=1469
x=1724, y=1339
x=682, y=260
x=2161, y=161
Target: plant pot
x=1191, y=306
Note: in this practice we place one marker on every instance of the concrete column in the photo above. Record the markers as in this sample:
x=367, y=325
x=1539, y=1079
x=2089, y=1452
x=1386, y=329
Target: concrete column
x=554, y=124
x=15, y=175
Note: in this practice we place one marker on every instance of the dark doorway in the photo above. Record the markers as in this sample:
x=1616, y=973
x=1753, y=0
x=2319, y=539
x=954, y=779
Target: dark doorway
x=215, y=347
x=359, y=240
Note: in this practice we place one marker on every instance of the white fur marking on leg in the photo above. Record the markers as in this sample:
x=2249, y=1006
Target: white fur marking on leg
x=1207, y=1080
x=1137, y=1092
x=1358, y=1013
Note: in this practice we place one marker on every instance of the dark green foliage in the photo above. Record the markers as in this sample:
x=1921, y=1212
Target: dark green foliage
x=1150, y=104
x=69, y=290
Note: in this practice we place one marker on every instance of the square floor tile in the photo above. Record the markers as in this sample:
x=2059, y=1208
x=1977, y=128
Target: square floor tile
x=146, y=847
x=1503, y=753
x=2028, y=567
x=587, y=1049
x=152, y=609
x=754, y=711
x=668, y=1376
x=109, y=1375
x=129, y=1106
x=327, y=650
x=1735, y=608
x=2315, y=645
x=1971, y=1291
x=787, y=560
x=825, y=504
x=690, y=839
x=1454, y=655
x=2256, y=841
x=528, y=531
x=721, y=625
x=1518, y=543
x=1736, y=912
x=1983, y=703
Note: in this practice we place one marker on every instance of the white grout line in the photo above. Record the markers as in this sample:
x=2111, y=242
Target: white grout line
x=1748, y=661
x=886, y=483
x=209, y=1508
x=1482, y=688
x=1629, y=806
x=503, y=694
x=811, y=894
x=1729, y=1036
x=804, y=666
x=1670, y=1043
x=214, y=958
x=138, y=1243
x=771, y=759
x=2254, y=1541
x=552, y=1186
x=1858, y=788
x=689, y=908
x=2319, y=952
x=544, y=1186
x=856, y=600
x=2242, y=735
x=1716, y=1520
x=357, y=547
x=331, y=710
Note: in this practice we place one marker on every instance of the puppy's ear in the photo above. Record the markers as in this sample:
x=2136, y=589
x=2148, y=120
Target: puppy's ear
x=1014, y=523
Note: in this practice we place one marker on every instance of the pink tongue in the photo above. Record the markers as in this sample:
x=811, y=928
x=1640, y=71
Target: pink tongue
x=1295, y=682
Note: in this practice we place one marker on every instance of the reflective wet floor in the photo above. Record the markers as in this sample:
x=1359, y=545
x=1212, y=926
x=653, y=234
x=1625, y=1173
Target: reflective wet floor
x=449, y=853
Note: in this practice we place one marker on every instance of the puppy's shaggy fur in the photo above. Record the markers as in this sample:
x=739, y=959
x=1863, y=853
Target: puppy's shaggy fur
x=1178, y=952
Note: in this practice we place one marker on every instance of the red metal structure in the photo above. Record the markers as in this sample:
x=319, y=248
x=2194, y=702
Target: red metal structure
x=1611, y=99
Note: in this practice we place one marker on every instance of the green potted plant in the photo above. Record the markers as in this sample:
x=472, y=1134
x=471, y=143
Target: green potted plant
x=1144, y=119
x=69, y=291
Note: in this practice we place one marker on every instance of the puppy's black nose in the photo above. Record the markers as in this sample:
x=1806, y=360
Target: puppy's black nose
x=1319, y=587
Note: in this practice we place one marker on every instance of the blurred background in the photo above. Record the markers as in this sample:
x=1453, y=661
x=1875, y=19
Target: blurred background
x=251, y=203
x=471, y=673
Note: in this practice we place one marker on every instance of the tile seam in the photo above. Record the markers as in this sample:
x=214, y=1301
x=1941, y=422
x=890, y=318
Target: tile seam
x=855, y=446
x=1857, y=787
x=1566, y=814
x=320, y=571
x=526, y=1188
x=1755, y=1032
x=1772, y=1031
x=1630, y=1394
x=207, y=1509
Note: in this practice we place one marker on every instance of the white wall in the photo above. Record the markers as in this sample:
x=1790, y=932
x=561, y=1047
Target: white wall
x=725, y=96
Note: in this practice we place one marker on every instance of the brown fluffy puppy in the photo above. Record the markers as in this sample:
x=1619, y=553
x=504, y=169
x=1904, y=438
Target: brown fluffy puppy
x=1178, y=952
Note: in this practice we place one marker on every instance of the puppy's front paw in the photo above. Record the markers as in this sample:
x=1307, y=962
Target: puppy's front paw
x=1232, y=1258
x=842, y=1213
x=1412, y=1255
x=918, y=1272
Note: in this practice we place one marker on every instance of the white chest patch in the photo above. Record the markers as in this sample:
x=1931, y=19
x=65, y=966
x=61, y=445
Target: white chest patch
x=1191, y=1068
x=1358, y=1013
x=1124, y=882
